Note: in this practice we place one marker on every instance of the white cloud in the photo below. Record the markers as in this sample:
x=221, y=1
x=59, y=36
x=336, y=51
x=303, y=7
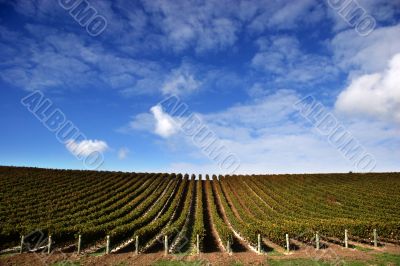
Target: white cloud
x=308, y=11
x=381, y=10
x=365, y=55
x=180, y=81
x=142, y=121
x=268, y=135
x=123, y=153
x=285, y=14
x=46, y=58
x=204, y=26
x=376, y=95
x=165, y=125
x=86, y=147
x=282, y=57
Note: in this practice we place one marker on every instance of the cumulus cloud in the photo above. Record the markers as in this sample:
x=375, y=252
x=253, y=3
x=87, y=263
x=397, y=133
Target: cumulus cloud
x=363, y=55
x=165, y=125
x=123, y=153
x=86, y=147
x=376, y=95
x=276, y=137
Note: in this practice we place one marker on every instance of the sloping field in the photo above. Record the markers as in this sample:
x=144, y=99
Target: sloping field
x=217, y=214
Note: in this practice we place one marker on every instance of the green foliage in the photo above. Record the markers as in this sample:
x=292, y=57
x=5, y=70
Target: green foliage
x=223, y=230
x=66, y=203
x=199, y=217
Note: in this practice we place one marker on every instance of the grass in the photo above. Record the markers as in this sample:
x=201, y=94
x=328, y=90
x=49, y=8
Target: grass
x=388, y=259
x=182, y=254
x=177, y=263
x=99, y=252
x=66, y=263
x=6, y=255
x=121, y=264
x=363, y=249
x=274, y=253
x=383, y=259
x=298, y=262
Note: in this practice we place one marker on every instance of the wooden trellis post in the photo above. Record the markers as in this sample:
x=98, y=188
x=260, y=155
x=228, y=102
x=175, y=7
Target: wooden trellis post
x=22, y=244
x=137, y=245
x=49, y=245
x=228, y=246
x=259, y=243
x=166, y=245
x=79, y=244
x=198, y=244
x=108, y=245
x=346, y=239
x=375, y=238
x=287, y=243
x=317, y=241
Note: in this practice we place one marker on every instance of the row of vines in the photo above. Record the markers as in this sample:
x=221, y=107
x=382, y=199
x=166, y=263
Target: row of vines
x=148, y=206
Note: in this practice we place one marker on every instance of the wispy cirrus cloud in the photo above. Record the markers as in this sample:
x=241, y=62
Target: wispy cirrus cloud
x=123, y=153
x=180, y=81
x=277, y=137
x=282, y=57
x=355, y=54
x=64, y=61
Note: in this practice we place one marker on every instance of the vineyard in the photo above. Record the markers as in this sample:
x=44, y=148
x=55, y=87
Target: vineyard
x=115, y=212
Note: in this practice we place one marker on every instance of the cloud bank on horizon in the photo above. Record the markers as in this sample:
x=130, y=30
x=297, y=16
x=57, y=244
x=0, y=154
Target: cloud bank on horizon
x=239, y=67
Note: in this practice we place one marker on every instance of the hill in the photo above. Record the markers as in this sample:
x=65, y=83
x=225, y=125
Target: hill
x=225, y=213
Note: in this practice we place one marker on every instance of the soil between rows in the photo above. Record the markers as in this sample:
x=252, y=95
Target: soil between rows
x=210, y=239
x=334, y=254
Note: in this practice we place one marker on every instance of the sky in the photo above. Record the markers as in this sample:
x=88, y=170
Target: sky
x=204, y=87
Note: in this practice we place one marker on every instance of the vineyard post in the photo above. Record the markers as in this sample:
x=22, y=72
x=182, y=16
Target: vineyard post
x=346, y=239
x=228, y=246
x=79, y=244
x=198, y=244
x=259, y=243
x=166, y=245
x=49, y=245
x=317, y=240
x=375, y=238
x=137, y=245
x=287, y=243
x=22, y=244
x=108, y=245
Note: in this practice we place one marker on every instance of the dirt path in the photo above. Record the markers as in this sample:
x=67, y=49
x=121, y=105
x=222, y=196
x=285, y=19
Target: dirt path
x=238, y=245
x=210, y=242
x=335, y=254
x=182, y=242
x=159, y=237
x=238, y=199
x=128, y=244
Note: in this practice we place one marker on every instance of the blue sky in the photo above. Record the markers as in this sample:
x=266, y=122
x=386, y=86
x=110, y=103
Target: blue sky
x=238, y=66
